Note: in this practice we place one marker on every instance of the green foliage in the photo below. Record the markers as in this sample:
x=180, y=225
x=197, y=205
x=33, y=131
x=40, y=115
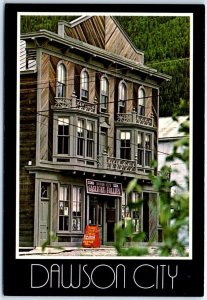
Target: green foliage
x=46, y=244
x=174, y=209
x=166, y=45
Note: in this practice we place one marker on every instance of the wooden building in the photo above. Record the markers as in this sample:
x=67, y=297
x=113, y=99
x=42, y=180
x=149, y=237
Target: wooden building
x=88, y=125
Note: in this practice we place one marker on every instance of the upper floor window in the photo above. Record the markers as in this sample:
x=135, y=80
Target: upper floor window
x=84, y=85
x=141, y=101
x=148, y=149
x=85, y=138
x=63, y=137
x=104, y=94
x=144, y=149
x=125, y=149
x=122, y=97
x=61, y=81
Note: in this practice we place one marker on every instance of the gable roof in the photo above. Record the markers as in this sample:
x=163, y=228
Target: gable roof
x=104, y=32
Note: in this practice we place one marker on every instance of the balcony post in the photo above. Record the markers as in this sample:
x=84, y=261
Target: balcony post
x=134, y=116
x=74, y=97
x=104, y=159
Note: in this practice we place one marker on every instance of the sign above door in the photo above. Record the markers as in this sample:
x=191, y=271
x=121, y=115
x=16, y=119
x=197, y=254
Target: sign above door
x=106, y=188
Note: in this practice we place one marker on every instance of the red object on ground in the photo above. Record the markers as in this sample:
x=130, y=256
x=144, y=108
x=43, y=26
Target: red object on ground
x=91, y=237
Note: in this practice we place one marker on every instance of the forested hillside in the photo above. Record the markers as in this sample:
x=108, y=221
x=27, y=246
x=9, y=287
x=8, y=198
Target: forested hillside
x=165, y=42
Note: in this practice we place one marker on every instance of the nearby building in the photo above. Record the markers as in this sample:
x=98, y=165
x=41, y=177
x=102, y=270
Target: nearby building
x=88, y=125
x=168, y=135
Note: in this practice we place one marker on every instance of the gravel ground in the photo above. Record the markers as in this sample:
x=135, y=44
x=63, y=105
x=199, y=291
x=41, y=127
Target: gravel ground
x=110, y=251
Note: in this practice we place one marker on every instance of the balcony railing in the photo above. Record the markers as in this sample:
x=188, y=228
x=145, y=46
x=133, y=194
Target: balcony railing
x=75, y=103
x=121, y=165
x=134, y=118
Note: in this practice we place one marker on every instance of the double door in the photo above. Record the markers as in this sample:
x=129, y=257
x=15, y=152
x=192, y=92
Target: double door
x=103, y=211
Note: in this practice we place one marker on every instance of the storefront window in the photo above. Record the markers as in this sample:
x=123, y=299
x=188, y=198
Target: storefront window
x=71, y=208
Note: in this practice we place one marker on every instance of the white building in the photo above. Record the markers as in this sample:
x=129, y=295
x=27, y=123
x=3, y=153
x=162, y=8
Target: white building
x=168, y=134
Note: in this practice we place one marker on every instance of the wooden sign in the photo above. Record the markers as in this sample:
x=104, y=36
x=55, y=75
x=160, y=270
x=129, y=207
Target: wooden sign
x=91, y=237
x=97, y=187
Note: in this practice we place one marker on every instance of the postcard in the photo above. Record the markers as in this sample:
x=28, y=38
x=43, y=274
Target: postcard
x=103, y=150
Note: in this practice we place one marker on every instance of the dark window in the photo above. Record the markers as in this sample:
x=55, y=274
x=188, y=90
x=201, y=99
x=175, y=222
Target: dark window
x=63, y=136
x=140, y=150
x=148, y=149
x=85, y=138
x=141, y=102
x=122, y=97
x=125, y=149
x=104, y=94
x=80, y=139
x=90, y=139
x=84, y=85
x=61, y=81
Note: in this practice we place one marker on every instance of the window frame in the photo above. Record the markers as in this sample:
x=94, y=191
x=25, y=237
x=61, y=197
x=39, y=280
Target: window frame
x=63, y=135
x=63, y=79
x=126, y=147
x=70, y=188
x=143, y=149
x=85, y=139
x=84, y=85
x=141, y=107
x=104, y=94
x=122, y=101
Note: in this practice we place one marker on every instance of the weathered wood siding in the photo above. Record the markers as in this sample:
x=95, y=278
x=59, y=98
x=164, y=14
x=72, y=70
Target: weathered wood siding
x=105, y=33
x=28, y=98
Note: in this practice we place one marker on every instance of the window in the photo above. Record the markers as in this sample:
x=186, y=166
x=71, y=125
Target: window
x=90, y=139
x=104, y=94
x=125, y=149
x=148, y=149
x=140, y=150
x=122, y=97
x=64, y=198
x=141, y=102
x=45, y=191
x=61, y=81
x=84, y=85
x=80, y=138
x=85, y=138
x=77, y=202
x=71, y=208
x=63, y=136
x=144, y=149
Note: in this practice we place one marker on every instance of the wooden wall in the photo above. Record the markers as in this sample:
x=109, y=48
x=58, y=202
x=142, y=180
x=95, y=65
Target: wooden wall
x=103, y=32
x=27, y=153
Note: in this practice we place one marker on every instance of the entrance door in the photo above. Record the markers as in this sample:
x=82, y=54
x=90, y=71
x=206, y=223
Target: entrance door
x=44, y=213
x=110, y=219
x=96, y=215
x=103, y=212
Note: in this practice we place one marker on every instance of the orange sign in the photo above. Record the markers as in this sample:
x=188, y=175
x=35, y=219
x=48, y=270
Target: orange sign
x=91, y=237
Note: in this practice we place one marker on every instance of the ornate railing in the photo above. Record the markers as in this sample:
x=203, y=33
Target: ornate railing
x=141, y=120
x=121, y=164
x=63, y=103
x=124, y=118
x=74, y=103
x=134, y=118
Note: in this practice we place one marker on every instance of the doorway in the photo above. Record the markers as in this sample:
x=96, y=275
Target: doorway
x=103, y=211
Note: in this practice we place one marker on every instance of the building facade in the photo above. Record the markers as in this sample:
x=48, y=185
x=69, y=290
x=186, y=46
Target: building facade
x=89, y=111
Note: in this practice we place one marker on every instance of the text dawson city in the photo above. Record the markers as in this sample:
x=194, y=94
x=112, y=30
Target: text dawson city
x=144, y=276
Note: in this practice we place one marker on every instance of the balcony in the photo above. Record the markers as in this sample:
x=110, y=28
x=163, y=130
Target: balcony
x=121, y=165
x=74, y=103
x=134, y=118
